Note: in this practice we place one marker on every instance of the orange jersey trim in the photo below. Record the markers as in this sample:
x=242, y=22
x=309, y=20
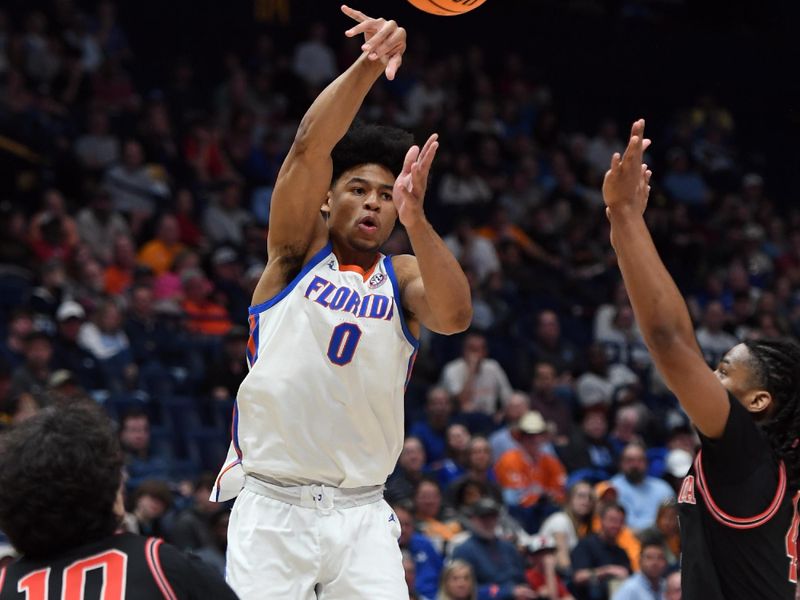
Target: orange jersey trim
x=738, y=522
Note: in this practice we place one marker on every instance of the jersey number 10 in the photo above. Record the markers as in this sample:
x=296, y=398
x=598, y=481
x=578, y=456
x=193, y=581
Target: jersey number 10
x=113, y=564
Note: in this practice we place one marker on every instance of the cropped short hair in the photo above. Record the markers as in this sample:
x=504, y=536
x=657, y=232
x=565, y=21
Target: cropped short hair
x=60, y=472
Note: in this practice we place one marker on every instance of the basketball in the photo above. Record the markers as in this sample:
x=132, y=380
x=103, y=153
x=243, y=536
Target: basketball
x=447, y=8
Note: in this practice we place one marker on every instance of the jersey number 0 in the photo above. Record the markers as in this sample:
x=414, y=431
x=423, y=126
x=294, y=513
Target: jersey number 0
x=344, y=340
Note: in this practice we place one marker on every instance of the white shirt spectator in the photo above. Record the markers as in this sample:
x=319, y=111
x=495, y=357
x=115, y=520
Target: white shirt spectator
x=714, y=344
x=593, y=389
x=478, y=254
x=491, y=383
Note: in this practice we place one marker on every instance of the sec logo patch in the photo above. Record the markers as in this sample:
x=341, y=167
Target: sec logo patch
x=376, y=280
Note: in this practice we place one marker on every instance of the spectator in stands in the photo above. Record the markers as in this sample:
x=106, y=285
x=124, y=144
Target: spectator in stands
x=54, y=209
x=32, y=376
x=553, y=407
x=427, y=561
x=431, y=431
x=479, y=463
x=149, y=503
x=204, y=317
x=682, y=182
x=458, y=582
x=601, y=382
x=141, y=462
x=649, y=582
x=473, y=251
x=133, y=189
x=408, y=473
x=673, y=586
x=226, y=372
x=99, y=225
x=464, y=188
x=532, y=481
x=639, y=493
x=106, y=340
x=498, y=567
x=69, y=354
x=475, y=380
x=314, y=61
x=224, y=222
x=193, y=529
x=713, y=340
x=606, y=494
x=541, y=574
x=454, y=464
x=666, y=532
x=159, y=253
x=597, y=559
x=505, y=438
x=433, y=519
x=572, y=524
x=622, y=339
x=627, y=428
x=20, y=325
x=47, y=296
x=213, y=554
x=119, y=274
x=226, y=274
x=589, y=454
x=549, y=346
x=98, y=148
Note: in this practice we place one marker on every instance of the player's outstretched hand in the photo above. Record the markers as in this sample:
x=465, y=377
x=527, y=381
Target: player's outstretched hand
x=627, y=183
x=383, y=40
x=410, y=185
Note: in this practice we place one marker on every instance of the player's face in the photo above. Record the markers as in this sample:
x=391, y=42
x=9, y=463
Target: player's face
x=735, y=374
x=361, y=211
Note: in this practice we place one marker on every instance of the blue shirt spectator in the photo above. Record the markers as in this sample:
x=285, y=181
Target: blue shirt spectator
x=639, y=494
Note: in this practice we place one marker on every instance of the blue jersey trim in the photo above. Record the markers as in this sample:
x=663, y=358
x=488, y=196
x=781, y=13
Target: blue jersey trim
x=387, y=264
x=315, y=260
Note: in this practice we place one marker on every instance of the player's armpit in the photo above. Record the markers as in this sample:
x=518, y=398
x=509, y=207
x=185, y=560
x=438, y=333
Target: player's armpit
x=698, y=389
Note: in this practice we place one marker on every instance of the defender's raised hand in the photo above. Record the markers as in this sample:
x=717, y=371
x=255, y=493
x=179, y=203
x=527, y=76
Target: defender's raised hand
x=410, y=185
x=627, y=183
x=383, y=40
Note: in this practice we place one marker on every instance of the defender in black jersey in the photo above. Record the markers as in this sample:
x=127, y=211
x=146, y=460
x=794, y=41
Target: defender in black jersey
x=61, y=504
x=738, y=504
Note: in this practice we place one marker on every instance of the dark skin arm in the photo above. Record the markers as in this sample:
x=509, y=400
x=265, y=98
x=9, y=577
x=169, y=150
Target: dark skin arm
x=657, y=303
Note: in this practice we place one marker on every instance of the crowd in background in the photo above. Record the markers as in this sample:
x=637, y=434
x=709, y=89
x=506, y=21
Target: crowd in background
x=544, y=454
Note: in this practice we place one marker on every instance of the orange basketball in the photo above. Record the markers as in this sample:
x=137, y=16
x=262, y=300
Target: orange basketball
x=447, y=8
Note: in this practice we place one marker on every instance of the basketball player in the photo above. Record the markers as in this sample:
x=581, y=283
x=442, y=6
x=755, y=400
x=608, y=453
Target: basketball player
x=60, y=505
x=318, y=421
x=738, y=504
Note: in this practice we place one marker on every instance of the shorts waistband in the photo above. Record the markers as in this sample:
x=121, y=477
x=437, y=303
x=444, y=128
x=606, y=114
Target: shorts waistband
x=316, y=496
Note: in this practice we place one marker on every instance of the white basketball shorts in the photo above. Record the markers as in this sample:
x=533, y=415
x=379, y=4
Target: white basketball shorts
x=313, y=543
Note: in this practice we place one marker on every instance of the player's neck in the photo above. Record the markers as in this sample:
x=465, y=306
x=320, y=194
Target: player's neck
x=356, y=258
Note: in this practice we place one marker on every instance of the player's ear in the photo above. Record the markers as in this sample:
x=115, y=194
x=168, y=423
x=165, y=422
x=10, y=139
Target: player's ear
x=326, y=205
x=758, y=402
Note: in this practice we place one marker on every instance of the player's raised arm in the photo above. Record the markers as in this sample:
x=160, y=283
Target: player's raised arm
x=435, y=289
x=659, y=307
x=304, y=178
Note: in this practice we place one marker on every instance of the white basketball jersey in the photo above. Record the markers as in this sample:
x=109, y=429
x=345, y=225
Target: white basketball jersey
x=329, y=359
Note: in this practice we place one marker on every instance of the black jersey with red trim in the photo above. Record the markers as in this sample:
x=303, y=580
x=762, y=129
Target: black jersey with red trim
x=125, y=566
x=738, y=518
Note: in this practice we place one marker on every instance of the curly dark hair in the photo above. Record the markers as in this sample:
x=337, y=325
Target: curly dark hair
x=60, y=472
x=371, y=144
x=775, y=365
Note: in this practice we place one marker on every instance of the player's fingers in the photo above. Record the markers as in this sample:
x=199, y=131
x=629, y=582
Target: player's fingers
x=354, y=14
x=411, y=157
x=362, y=27
x=385, y=29
x=616, y=159
x=393, y=66
x=394, y=43
x=646, y=143
x=426, y=161
x=633, y=153
x=426, y=148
